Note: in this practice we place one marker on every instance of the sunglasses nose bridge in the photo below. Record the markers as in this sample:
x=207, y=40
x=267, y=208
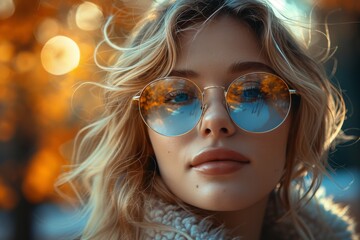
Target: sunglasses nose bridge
x=215, y=120
x=219, y=94
x=213, y=95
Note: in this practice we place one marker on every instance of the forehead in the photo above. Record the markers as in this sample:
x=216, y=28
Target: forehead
x=218, y=44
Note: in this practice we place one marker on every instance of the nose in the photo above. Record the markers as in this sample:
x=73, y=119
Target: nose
x=216, y=120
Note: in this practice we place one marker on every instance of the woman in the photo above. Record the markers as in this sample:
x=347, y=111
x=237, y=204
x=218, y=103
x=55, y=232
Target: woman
x=215, y=118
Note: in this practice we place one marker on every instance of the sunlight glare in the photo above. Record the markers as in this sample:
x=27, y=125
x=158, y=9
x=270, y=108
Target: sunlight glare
x=60, y=55
x=294, y=13
x=88, y=16
x=7, y=8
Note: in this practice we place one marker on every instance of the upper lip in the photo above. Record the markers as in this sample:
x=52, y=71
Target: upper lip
x=218, y=154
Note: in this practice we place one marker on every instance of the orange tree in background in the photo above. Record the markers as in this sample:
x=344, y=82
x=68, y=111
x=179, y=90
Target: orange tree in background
x=46, y=48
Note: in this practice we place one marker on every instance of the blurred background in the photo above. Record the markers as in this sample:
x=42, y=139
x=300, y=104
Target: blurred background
x=46, y=51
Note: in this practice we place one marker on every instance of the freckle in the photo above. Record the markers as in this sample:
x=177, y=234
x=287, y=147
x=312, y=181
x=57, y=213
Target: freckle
x=197, y=186
x=168, y=151
x=224, y=191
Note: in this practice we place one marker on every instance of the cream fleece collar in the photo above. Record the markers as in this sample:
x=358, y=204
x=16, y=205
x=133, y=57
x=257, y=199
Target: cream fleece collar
x=325, y=219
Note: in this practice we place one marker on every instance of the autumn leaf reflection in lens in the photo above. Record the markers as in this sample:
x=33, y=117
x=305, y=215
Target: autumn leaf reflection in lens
x=277, y=93
x=165, y=103
x=258, y=102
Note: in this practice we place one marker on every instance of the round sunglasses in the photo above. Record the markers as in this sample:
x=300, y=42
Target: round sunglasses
x=257, y=102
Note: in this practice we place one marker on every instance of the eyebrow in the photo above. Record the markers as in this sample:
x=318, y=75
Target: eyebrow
x=237, y=67
x=250, y=66
x=184, y=73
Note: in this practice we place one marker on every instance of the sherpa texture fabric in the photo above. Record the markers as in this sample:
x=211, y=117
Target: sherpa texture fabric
x=325, y=219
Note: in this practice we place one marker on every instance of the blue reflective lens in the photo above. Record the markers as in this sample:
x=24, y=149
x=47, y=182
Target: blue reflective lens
x=171, y=106
x=256, y=102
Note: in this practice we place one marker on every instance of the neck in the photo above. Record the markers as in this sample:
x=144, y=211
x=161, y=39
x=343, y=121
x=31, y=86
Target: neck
x=246, y=223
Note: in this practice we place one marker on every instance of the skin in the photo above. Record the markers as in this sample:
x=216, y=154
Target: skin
x=207, y=57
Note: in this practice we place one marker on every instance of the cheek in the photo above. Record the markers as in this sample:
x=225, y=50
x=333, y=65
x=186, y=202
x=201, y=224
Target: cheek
x=162, y=146
x=168, y=157
x=168, y=150
x=272, y=155
x=272, y=168
x=165, y=146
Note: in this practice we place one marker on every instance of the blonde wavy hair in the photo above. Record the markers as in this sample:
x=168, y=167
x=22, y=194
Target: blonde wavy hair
x=114, y=165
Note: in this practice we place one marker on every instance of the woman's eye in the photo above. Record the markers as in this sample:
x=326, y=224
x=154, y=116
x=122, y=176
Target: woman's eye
x=178, y=97
x=251, y=93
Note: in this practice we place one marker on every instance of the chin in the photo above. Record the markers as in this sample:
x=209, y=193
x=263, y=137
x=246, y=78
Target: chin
x=220, y=205
x=227, y=201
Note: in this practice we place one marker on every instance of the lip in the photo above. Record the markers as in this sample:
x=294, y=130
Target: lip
x=218, y=161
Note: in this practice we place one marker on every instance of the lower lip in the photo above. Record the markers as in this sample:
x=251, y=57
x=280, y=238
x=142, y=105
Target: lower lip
x=219, y=167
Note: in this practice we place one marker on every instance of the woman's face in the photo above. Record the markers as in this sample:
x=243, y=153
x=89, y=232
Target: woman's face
x=217, y=166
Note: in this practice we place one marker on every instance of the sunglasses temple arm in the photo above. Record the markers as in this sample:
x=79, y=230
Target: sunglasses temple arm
x=292, y=91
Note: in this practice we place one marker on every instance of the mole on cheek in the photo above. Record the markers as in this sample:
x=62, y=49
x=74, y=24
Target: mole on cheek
x=197, y=186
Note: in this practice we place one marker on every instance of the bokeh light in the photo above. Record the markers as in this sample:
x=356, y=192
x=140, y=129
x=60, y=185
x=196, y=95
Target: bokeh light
x=88, y=16
x=60, y=55
x=25, y=61
x=7, y=8
x=7, y=196
x=7, y=130
x=5, y=74
x=47, y=29
x=7, y=51
x=48, y=114
x=41, y=175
